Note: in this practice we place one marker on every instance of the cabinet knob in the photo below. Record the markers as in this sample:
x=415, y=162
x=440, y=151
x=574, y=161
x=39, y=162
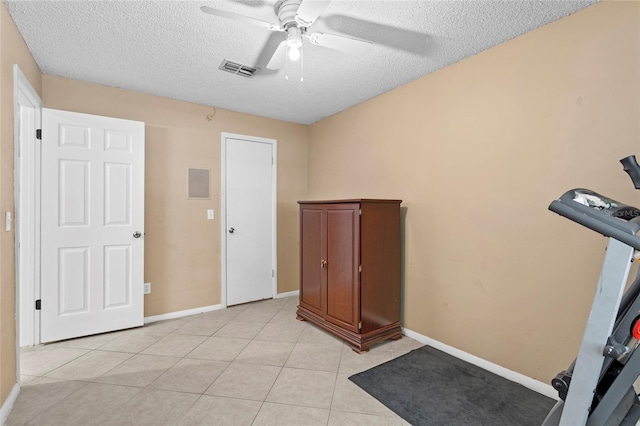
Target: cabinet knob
x=323, y=263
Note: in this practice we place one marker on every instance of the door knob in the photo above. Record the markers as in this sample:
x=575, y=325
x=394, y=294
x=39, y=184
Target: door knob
x=323, y=263
x=137, y=234
x=232, y=230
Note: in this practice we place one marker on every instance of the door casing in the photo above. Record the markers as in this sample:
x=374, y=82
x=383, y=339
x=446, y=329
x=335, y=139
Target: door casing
x=223, y=209
x=27, y=219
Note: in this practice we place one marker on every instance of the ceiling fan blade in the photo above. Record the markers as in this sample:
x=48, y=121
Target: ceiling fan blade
x=309, y=10
x=267, y=51
x=279, y=58
x=241, y=18
x=341, y=43
x=382, y=35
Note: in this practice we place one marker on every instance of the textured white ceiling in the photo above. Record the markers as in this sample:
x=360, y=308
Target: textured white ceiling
x=172, y=49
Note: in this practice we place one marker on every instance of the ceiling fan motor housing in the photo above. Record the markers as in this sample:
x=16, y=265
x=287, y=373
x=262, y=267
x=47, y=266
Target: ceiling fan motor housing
x=286, y=11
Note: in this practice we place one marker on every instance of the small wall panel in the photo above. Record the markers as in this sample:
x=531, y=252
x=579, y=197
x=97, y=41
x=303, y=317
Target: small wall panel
x=73, y=270
x=117, y=276
x=198, y=183
x=73, y=201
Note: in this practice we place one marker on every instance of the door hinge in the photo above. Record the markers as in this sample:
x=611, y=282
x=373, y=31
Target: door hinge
x=273, y=273
x=38, y=304
x=360, y=212
x=360, y=325
x=39, y=134
x=360, y=268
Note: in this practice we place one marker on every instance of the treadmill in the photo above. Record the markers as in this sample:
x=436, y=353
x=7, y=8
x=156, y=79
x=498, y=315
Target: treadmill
x=597, y=389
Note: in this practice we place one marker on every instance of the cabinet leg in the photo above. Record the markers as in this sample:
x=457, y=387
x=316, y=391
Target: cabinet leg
x=397, y=337
x=299, y=318
x=360, y=351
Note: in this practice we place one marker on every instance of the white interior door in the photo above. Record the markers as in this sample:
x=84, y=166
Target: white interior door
x=92, y=216
x=249, y=198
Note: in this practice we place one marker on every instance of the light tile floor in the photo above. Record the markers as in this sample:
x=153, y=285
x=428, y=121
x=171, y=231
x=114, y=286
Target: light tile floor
x=253, y=364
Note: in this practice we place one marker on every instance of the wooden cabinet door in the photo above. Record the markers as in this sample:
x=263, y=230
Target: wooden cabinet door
x=343, y=260
x=312, y=290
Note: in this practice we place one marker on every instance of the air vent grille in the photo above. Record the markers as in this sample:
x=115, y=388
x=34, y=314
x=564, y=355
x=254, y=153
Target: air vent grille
x=239, y=69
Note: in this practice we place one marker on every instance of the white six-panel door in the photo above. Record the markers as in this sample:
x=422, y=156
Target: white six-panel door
x=249, y=200
x=92, y=238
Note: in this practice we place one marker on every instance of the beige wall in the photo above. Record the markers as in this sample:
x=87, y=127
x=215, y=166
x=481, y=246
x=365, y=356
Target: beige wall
x=182, y=247
x=477, y=151
x=13, y=50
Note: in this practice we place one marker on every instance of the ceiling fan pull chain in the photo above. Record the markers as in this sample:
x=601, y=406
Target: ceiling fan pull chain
x=301, y=63
x=286, y=66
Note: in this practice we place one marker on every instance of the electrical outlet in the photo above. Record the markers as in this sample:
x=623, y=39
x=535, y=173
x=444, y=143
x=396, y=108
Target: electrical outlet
x=147, y=288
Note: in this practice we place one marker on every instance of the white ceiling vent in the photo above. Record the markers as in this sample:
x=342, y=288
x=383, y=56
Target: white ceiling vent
x=236, y=68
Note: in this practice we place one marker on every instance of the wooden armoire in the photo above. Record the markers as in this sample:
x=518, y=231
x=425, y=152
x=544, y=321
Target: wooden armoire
x=350, y=269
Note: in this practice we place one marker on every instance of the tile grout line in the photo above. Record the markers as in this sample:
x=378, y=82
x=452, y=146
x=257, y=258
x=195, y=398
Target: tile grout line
x=67, y=362
x=276, y=379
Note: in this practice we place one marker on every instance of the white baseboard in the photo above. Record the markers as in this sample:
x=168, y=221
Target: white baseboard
x=180, y=314
x=288, y=294
x=202, y=310
x=528, y=382
x=8, y=403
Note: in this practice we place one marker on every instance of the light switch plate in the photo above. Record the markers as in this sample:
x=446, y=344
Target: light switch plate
x=7, y=221
x=210, y=214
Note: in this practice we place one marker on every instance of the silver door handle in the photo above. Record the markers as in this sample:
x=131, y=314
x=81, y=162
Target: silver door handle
x=137, y=234
x=232, y=230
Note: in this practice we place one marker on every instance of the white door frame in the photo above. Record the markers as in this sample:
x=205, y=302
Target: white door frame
x=223, y=210
x=27, y=219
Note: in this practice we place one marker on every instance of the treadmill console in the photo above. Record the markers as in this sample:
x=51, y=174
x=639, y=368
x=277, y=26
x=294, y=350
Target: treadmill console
x=608, y=206
x=602, y=214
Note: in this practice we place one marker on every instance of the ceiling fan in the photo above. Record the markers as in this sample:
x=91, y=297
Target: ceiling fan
x=296, y=16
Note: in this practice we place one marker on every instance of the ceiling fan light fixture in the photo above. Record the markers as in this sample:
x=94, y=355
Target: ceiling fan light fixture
x=294, y=37
x=294, y=43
